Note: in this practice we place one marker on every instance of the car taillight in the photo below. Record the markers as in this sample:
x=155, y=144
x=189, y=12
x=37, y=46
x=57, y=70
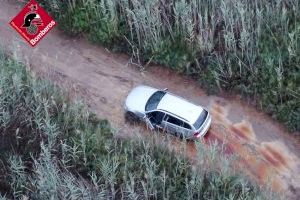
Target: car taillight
x=196, y=134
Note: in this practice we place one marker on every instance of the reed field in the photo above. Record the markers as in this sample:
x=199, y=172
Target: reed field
x=246, y=47
x=54, y=148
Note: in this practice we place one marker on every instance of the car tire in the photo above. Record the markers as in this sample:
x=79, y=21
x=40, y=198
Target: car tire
x=131, y=118
x=180, y=136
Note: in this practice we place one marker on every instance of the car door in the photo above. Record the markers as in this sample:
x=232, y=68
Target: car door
x=186, y=130
x=156, y=118
x=171, y=124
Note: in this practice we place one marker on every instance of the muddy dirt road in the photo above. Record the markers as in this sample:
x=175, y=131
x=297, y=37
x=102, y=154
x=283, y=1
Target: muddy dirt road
x=268, y=152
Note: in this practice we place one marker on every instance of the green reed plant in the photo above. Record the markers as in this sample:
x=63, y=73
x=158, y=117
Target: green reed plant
x=52, y=148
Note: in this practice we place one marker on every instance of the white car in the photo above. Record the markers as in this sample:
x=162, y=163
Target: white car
x=163, y=110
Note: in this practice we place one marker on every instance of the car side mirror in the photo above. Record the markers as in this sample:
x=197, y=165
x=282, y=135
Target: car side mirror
x=165, y=89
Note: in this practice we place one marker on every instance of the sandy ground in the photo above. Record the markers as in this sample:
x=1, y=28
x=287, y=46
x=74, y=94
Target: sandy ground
x=103, y=79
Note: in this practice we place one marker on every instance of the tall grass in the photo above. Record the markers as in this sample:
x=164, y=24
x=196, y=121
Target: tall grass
x=52, y=148
x=250, y=47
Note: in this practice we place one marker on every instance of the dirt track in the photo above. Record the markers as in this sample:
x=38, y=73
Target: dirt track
x=103, y=79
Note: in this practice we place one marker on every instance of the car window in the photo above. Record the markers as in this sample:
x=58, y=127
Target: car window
x=201, y=119
x=156, y=116
x=173, y=120
x=154, y=100
x=187, y=126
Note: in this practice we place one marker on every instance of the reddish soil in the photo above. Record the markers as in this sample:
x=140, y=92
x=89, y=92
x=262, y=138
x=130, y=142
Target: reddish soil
x=103, y=79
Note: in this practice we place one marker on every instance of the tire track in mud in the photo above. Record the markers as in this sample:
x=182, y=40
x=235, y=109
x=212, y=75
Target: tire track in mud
x=266, y=151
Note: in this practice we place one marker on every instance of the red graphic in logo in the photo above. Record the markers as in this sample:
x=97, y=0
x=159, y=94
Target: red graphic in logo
x=33, y=23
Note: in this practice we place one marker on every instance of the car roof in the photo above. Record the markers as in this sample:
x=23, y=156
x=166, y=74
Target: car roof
x=180, y=107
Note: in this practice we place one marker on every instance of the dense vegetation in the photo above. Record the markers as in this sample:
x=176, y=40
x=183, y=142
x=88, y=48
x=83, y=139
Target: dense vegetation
x=250, y=47
x=52, y=148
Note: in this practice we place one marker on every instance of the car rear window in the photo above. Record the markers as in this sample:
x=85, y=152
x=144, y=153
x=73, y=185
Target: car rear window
x=201, y=119
x=154, y=100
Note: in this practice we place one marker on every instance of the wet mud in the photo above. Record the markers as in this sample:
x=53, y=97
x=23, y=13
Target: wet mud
x=266, y=151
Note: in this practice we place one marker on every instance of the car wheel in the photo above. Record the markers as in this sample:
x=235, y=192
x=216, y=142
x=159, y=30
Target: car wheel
x=131, y=118
x=180, y=135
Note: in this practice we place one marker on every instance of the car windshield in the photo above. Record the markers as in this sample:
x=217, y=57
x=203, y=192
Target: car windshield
x=154, y=100
x=201, y=119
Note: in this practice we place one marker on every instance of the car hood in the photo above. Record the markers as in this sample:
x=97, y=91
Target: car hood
x=138, y=97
